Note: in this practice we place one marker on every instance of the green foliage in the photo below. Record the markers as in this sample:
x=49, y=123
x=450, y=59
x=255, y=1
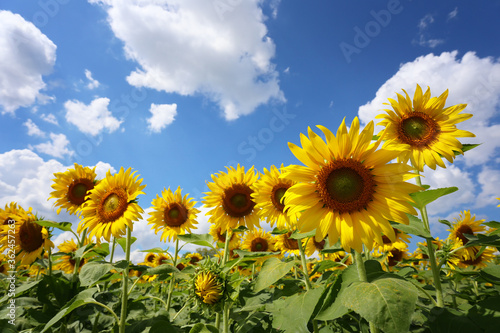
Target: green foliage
x=424, y=198
x=272, y=270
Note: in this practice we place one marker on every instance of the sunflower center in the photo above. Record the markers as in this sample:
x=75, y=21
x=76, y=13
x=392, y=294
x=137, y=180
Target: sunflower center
x=290, y=243
x=345, y=185
x=78, y=190
x=417, y=129
x=259, y=245
x=319, y=245
x=237, y=201
x=278, y=192
x=114, y=205
x=397, y=256
x=462, y=231
x=30, y=235
x=175, y=215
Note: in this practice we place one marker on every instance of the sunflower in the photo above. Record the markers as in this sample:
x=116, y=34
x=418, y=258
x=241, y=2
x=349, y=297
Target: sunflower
x=258, y=240
x=31, y=239
x=67, y=262
x=173, y=214
x=231, y=198
x=425, y=131
x=220, y=237
x=149, y=259
x=342, y=257
x=465, y=225
x=8, y=220
x=112, y=205
x=268, y=196
x=160, y=259
x=4, y=265
x=72, y=187
x=208, y=287
x=287, y=245
x=194, y=258
x=401, y=242
x=310, y=245
x=476, y=261
x=347, y=187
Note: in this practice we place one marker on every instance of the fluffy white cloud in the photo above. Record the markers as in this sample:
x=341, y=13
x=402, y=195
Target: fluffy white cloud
x=25, y=55
x=50, y=118
x=490, y=183
x=93, y=118
x=56, y=147
x=93, y=83
x=33, y=129
x=161, y=116
x=471, y=80
x=190, y=47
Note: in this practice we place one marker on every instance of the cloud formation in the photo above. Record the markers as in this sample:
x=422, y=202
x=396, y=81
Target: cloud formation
x=187, y=47
x=25, y=55
x=162, y=115
x=93, y=118
x=56, y=147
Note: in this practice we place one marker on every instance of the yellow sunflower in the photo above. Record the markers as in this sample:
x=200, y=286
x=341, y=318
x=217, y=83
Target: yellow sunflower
x=67, y=262
x=348, y=188
x=8, y=220
x=464, y=260
x=310, y=246
x=31, y=239
x=268, y=196
x=340, y=257
x=220, y=237
x=173, y=214
x=193, y=258
x=465, y=225
x=424, y=130
x=230, y=196
x=149, y=259
x=72, y=187
x=401, y=242
x=208, y=287
x=4, y=265
x=287, y=245
x=112, y=205
x=160, y=259
x=258, y=240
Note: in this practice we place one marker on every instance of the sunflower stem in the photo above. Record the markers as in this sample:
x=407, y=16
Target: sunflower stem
x=50, y=262
x=430, y=249
x=360, y=265
x=306, y=277
x=112, y=251
x=171, y=285
x=217, y=320
x=81, y=241
x=225, y=317
x=226, y=249
x=123, y=315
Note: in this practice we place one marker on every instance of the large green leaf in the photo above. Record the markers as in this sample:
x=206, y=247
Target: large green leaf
x=297, y=235
x=491, y=274
x=467, y=147
x=451, y=320
x=123, y=242
x=65, y=226
x=291, y=315
x=198, y=239
x=385, y=302
x=21, y=290
x=272, y=270
x=415, y=227
x=483, y=240
x=202, y=328
x=332, y=307
x=93, y=272
x=424, y=198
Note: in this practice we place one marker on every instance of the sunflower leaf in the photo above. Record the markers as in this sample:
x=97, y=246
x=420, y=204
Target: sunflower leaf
x=491, y=274
x=123, y=242
x=272, y=270
x=445, y=222
x=483, y=240
x=198, y=239
x=297, y=235
x=424, y=198
x=65, y=226
x=467, y=147
x=93, y=272
x=415, y=227
x=155, y=250
x=277, y=231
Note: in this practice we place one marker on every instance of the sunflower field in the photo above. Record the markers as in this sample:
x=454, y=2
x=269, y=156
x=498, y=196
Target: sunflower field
x=337, y=258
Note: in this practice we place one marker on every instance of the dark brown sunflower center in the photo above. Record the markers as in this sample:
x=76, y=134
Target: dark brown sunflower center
x=397, y=256
x=175, y=215
x=319, y=245
x=462, y=231
x=418, y=129
x=193, y=260
x=473, y=261
x=277, y=194
x=73, y=262
x=345, y=185
x=339, y=257
x=180, y=266
x=78, y=190
x=113, y=205
x=30, y=235
x=386, y=239
x=259, y=245
x=290, y=243
x=150, y=258
x=237, y=201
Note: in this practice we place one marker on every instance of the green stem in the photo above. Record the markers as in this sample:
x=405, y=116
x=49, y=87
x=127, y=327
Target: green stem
x=171, y=285
x=217, y=320
x=182, y=309
x=112, y=251
x=159, y=299
x=424, y=291
x=226, y=249
x=306, y=278
x=77, y=260
x=50, y=262
x=225, y=318
x=432, y=258
x=107, y=308
x=123, y=315
x=360, y=265
x=133, y=285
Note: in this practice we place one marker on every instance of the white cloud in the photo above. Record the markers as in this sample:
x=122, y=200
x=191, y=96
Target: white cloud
x=33, y=129
x=425, y=21
x=93, y=118
x=161, y=116
x=56, y=147
x=50, y=118
x=188, y=47
x=490, y=184
x=422, y=40
x=25, y=55
x=453, y=14
x=93, y=83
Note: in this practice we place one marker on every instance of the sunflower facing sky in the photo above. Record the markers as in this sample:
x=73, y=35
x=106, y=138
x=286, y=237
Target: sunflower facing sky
x=268, y=196
x=112, y=206
x=71, y=187
x=466, y=224
x=231, y=198
x=173, y=214
x=424, y=131
x=348, y=188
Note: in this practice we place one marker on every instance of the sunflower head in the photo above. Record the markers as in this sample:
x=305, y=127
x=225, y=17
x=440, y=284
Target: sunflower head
x=220, y=236
x=173, y=214
x=31, y=239
x=401, y=241
x=474, y=259
x=230, y=198
x=149, y=259
x=209, y=286
x=465, y=225
x=72, y=187
x=424, y=131
x=112, y=205
x=67, y=262
x=194, y=258
x=348, y=188
x=287, y=245
x=310, y=245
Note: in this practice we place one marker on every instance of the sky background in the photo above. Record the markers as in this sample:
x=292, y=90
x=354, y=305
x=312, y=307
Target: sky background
x=180, y=89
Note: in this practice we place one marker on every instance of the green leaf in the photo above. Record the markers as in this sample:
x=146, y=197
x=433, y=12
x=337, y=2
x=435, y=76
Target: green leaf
x=415, y=227
x=240, y=228
x=332, y=307
x=467, y=147
x=123, y=242
x=198, y=239
x=102, y=249
x=21, y=290
x=451, y=320
x=65, y=226
x=291, y=315
x=272, y=270
x=155, y=250
x=491, y=274
x=202, y=328
x=277, y=231
x=249, y=255
x=424, y=198
x=79, y=252
x=92, y=272
x=162, y=269
x=445, y=222
x=297, y=235
x=122, y=264
x=385, y=302
x=483, y=240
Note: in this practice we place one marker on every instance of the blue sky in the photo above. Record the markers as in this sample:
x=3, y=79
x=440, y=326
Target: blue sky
x=178, y=90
